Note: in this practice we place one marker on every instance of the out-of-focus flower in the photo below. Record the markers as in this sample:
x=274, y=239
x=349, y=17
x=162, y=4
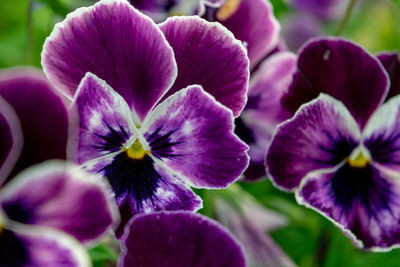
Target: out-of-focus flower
x=150, y=138
x=324, y=9
x=250, y=222
x=34, y=123
x=342, y=157
x=253, y=22
x=46, y=210
x=172, y=239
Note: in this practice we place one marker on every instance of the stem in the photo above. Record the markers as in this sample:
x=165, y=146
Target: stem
x=29, y=32
x=346, y=17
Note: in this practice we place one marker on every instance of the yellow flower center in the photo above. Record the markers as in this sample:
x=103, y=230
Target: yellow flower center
x=360, y=161
x=136, y=151
x=227, y=9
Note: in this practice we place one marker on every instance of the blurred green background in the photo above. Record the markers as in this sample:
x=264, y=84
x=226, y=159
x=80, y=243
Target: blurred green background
x=309, y=239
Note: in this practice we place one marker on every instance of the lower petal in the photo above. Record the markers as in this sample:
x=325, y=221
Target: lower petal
x=172, y=239
x=60, y=197
x=363, y=202
x=38, y=247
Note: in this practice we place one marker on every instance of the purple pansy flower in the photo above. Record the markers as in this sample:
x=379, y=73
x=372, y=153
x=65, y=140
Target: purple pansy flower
x=253, y=22
x=139, y=128
x=180, y=238
x=325, y=9
x=33, y=121
x=46, y=210
x=342, y=157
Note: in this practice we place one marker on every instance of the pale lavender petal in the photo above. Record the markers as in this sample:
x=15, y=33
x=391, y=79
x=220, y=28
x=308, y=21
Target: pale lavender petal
x=363, y=202
x=173, y=239
x=391, y=62
x=252, y=22
x=11, y=139
x=104, y=121
x=118, y=44
x=208, y=54
x=61, y=197
x=382, y=134
x=319, y=136
x=39, y=247
x=193, y=135
x=343, y=70
x=41, y=112
x=325, y=9
x=249, y=227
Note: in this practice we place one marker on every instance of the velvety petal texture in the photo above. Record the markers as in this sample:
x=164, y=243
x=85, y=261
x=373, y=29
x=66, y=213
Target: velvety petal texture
x=118, y=44
x=41, y=112
x=61, y=197
x=343, y=70
x=11, y=139
x=104, y=118
x=391, y=63
x=38, y=247
x=193, y=135
x=363, y=202
x=208, y=54
x=178, y=239
x=319, y=136
x=252, y=22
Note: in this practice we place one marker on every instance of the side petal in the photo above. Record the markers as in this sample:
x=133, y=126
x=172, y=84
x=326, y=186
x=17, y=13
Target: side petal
x=391, y=63
x=362, y=202
x=104, y=121
x=60, y=197
x=178, y=239
x=193, y=135
x=208, y=54
x=343, y=70
x=319, y=136
x=42, y=114
x=11, y=139
x=37, y=247
x=118, y=44
x=382, y=134
x=252, y=22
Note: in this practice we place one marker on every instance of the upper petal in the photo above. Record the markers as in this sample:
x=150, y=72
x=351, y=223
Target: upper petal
x=209, y=55
x=62, y=197
x=391, y=63
x=101, y=121
x=11, y=139
x=118, y=44
x=42, y=114
x=172, y=239
x=343, y=70
x=362, y=202
x=193, y=134
x=319, y=136
x=252, y=22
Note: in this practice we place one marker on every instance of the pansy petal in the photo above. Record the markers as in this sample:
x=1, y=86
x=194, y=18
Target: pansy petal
x=118, y=44
x=343, y=70
x=320, y=135
x=38, y=247
x=363, y=202
x=178, y=239
x=382, y=134
x=42, y=114
x=62, y=197
x=208, y=54
x=391, y=62
x=11, y=139
x=252, y=22
x=104, y=121
x=193, y=134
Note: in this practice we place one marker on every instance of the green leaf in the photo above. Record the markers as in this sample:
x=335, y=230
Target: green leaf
x=102, y=252
x=57, y=6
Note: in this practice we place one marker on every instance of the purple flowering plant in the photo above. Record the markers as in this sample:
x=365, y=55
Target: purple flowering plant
x=148, y=113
